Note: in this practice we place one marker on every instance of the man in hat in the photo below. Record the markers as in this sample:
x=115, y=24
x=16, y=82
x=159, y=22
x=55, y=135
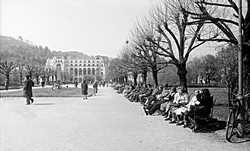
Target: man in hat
x=27, y=89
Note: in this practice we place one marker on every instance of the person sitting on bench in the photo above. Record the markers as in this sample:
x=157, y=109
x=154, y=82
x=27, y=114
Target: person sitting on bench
x=180, y=100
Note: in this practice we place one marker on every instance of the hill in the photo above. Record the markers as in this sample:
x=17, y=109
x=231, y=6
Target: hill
x=20, y=51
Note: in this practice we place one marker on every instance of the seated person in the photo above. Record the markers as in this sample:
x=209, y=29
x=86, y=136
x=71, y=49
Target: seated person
x=133, y=92
x=169, y=100
x=201, y=109
x=141, y=91
x=126, y=89
x=180, y=100
x=146, y=94
x=160, y=99
x=182, y=111
x=158, y=90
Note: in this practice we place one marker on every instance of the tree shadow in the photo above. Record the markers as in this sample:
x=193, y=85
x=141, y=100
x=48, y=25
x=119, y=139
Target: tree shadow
x=44, y=104
x=210, y=126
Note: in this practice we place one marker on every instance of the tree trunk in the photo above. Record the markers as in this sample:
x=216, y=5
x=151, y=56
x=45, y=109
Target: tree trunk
x=7, y=82
x=126, y=78
x=144, y=76
x=246, y=52
x=155, y=76
x=182, y=73
x=37, y=80
x=135, y=75
x=21, y=78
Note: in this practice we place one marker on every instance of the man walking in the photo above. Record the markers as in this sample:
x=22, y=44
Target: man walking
x=95, y=85
x=84, y=86
x=28, y=84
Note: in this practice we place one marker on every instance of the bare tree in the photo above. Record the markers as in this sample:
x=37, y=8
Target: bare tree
x=6, y=68
x=147, y=51
x=20, y=71
x=226, y=24
x=176, y=38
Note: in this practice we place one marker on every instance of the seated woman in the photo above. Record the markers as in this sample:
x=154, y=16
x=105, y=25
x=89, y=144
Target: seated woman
x=180, y=100
x=201, y=109
x=169, y=100
x=182, y=111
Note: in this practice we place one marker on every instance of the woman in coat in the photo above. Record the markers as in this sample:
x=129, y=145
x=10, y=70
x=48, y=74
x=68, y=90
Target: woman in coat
x=84, y=87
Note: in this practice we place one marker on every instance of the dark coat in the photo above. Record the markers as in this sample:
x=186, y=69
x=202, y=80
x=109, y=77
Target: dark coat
x=27, y=89
x=95, y=85
x=84, y=87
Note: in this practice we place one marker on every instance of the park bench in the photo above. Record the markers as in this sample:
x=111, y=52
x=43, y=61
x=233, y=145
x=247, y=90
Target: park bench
x=203, y=116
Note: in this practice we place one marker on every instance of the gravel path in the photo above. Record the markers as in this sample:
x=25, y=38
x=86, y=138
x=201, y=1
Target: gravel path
x=106, y=122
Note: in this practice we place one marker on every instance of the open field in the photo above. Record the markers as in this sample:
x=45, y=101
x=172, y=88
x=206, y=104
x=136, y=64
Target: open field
x=48, y=92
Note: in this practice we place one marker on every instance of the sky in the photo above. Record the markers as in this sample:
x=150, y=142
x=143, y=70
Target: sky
x=90, y=26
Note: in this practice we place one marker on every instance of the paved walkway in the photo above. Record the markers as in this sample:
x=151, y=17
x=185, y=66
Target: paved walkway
x=107, y=122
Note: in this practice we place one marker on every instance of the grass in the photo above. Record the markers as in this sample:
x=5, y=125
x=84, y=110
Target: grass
x=220, y=110
x=48, y=92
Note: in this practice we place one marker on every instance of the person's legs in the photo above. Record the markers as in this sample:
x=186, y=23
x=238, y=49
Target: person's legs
x=154, y=108
x=32, y=100
x=27, y=100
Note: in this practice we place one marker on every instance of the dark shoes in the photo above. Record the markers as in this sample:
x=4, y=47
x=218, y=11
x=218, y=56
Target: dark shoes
x=32, y=101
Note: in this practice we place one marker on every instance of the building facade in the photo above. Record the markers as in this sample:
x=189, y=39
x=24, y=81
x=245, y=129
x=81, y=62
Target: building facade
x=70, y=69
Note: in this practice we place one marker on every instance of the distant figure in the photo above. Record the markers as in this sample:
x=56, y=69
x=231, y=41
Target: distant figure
x=84, y=86
x=43, y=83
x=95, y=86
x=27, y=89
x=76, y=84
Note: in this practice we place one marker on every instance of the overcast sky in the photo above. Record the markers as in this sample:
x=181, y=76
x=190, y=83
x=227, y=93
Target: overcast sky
x=90, y=26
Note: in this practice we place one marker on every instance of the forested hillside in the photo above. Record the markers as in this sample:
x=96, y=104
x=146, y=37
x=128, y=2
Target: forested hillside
x=21, y=52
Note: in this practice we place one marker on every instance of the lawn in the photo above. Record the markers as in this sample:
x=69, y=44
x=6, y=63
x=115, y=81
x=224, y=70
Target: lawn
x=221, y=105
x=48, y=92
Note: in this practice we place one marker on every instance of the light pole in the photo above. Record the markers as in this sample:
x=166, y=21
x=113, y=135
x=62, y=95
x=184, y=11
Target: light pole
x=240, y=63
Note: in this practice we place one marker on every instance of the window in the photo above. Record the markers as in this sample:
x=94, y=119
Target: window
x=89, y=71
x=93, y=65
x=76, y=72
x=93, y=71
x=84, y=71
x=80, y=71
x=84, y=65
x=75, y=64
x=71, y=71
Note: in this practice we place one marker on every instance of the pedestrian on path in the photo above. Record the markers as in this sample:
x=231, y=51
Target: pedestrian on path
x=27, y=89
x=95, y=86
x=84, y=86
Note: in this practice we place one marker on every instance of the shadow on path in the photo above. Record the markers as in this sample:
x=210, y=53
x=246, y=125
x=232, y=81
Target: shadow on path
x=44, y=104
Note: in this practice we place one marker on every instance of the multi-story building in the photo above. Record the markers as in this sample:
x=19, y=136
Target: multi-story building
x=73, y=68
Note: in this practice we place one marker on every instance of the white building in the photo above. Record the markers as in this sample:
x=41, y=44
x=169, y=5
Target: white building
x=76, y=68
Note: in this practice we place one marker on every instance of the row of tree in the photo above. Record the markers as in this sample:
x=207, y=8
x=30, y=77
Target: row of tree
x=175, y=28
x=19, y=58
